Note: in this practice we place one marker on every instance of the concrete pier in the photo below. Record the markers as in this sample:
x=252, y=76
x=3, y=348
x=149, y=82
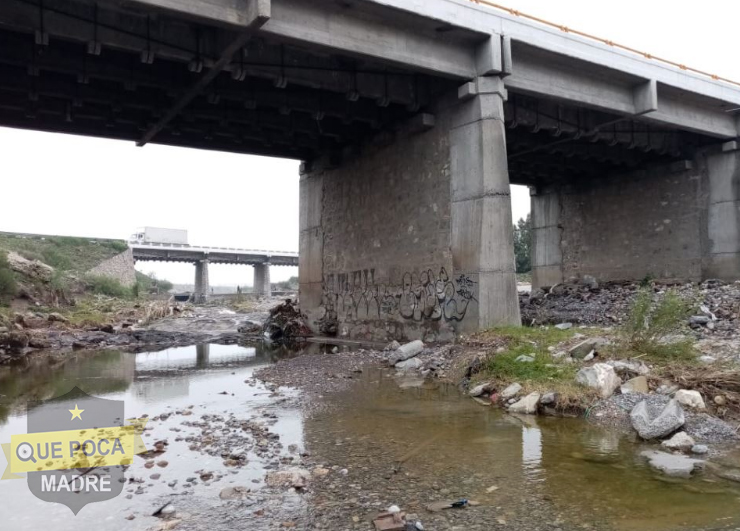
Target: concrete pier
x=202, y=287
x=262, y=285
x=410, y=120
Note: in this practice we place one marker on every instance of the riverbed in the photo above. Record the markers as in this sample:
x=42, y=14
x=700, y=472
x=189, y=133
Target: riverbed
x=380, y=440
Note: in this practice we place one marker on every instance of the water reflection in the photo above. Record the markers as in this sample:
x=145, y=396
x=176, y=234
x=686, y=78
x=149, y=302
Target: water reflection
x=203, y=380
x=583, y=475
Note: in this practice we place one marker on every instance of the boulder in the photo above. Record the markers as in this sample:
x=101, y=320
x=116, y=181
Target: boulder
x=564, y=326
x=600, y=377
x=405, y=352
x=409, y=365
x=14, y=341
x=673, y=465
x=585, y=347
x=32, y=269
x=524, y=358
x=234, y=493
x=527, y=405
x=635, y=385
x=649, y=427
x=511, y=391
x=690, y=399
x=680, y=441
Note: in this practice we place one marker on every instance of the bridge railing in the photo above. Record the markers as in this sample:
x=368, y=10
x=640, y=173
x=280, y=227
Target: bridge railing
x=608, y=42
x=211, y=248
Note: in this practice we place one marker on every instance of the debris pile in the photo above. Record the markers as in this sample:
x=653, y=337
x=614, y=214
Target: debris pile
x=718, y=310
x=286, y=322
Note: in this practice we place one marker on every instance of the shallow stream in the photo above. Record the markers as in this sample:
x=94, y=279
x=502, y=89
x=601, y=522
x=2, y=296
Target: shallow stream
x=401, y=442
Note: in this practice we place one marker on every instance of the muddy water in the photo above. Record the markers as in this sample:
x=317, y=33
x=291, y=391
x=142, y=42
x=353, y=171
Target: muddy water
x=401, y=442
x=526, y=472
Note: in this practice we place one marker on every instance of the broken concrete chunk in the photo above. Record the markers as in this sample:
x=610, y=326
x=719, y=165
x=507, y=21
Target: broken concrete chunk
x=673, y=465
x=407, y=351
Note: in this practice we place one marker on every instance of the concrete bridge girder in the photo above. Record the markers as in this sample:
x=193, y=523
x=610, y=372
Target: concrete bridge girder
x=366, y=94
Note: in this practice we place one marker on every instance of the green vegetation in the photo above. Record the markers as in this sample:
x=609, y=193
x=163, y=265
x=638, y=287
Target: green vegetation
x=101, y=285
x=525, y=341
x=523, y=244
x=75, y=255
x=653, y=324
x=7, y=279
x=145, y=283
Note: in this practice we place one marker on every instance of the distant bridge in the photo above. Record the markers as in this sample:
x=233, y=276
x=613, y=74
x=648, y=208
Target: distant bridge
x=202, y=256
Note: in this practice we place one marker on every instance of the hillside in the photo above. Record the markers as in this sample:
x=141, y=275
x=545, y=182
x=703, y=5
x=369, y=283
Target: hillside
x=63, y=253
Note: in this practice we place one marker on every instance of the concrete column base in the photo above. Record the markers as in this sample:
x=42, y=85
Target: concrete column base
x=262, y=285
x=482, y=236
x=202, y=287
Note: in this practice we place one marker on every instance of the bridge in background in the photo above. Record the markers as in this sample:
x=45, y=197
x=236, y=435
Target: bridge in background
x=411, y=118
x=203, y=256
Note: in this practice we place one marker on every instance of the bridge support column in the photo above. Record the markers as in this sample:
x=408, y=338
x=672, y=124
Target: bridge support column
x=722, y=251
x=547, y=256
x=262, y=284
x=481, y=229
x=202, y=288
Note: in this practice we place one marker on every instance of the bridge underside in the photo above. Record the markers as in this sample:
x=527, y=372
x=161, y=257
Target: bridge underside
x=411, y=129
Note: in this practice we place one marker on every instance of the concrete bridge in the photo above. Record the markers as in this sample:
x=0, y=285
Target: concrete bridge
x=412, y=119
x=203, y=256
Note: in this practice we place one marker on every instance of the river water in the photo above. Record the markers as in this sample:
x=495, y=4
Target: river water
x=399, y=441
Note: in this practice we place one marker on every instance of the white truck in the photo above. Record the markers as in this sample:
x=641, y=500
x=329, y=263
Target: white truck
x=158, y=235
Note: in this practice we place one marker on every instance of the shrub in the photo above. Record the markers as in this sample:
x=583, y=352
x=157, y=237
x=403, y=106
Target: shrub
x=651, y=323
x=106, y=286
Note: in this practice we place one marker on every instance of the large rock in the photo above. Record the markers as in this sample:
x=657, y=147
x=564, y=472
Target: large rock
x=527, y=405
x=409, y=365
x=14, y=342
x=635, y=385
x=680, y=441
x=405, y=352
x=585, y=347
x=32, y=269
x=649, y=427
x=600, y=377
x=673, y=465
x=690, y=399
x=511, y=391
x=480, y=389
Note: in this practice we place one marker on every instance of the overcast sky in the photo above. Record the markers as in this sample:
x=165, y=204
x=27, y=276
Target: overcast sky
x=58, y=184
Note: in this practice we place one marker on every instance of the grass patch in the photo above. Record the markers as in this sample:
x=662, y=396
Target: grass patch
x=653, y=327
x=110, y=287
x=527, y=341
x=76, y=255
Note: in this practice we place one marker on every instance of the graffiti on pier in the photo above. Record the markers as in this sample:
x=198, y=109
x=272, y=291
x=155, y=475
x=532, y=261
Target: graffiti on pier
x=419, y=297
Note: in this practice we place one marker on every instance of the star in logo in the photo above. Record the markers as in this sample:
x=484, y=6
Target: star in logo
x=76, y=412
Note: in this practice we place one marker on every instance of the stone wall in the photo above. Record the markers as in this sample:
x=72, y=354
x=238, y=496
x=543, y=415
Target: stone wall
x=375, y=240
x=626, y=227
x=119, y=267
